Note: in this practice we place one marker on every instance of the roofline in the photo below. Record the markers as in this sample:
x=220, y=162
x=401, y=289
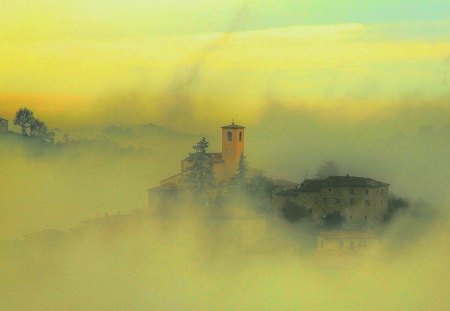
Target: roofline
x=233, y=126
x=169, y=177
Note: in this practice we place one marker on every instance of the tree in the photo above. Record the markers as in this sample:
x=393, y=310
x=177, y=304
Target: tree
x=40, y=129
x=239, y=180
x=199, y=177
x=260, y=190
x=395, y=204
x=328, y=168
x=294, y=212
x=24, y=118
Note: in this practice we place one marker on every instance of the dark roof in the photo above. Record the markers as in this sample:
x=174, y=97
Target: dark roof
x=233, y=126
x=314, y=185
x=351, y=181
x=310, y=185
x=3, y=119
x=288, y=192
x=167, y=178
x=279, y=182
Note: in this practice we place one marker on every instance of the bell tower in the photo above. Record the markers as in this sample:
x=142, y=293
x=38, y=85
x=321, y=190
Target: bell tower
x=232, y=147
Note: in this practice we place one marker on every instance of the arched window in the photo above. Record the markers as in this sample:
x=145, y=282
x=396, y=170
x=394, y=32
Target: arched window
x=240, y=136
x=229, y=136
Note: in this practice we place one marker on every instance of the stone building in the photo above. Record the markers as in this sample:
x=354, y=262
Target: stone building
x=355, y=200
x=3, y=125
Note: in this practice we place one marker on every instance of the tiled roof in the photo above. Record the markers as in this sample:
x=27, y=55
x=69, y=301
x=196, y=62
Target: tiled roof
x=233, y=126
x=310, y=185
x=279, y=182
x=351, y=181
x=314, y=185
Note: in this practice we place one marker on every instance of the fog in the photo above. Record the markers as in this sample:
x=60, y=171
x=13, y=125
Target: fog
x=140, y=267
x=148, y=263
x=128, y=89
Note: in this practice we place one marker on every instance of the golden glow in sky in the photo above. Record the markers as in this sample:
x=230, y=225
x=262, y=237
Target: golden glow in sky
x=84, y=58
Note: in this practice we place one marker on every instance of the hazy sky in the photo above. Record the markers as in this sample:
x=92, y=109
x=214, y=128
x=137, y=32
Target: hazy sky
x=75, y=60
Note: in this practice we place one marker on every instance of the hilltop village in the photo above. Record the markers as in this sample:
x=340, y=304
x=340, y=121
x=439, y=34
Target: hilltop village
x=348, y=209
x=222, y=190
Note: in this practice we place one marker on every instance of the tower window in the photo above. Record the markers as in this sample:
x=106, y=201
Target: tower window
x=229, y=136
x=240, y=136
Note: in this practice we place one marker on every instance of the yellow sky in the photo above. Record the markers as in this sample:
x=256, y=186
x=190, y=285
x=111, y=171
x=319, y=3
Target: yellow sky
x=57, y=60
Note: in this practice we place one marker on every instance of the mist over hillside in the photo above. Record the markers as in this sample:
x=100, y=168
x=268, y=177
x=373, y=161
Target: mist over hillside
x=108, y=169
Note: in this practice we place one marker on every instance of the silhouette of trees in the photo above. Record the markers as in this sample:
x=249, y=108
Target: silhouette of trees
x=199, y=176
x=395, y=204
x=37, y=128
x=294, y=212
x=260, y=190
x=239, y=181
x=25, y=119
x=328, y=168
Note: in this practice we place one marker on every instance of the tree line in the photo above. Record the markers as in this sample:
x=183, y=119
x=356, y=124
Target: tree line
x=31, y=126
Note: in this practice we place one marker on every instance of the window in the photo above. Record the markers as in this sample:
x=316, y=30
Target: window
x=367, y=202
x=324, y=200
x=329, y=189
x=351, y=202
x=350, y=191
x=367, y=191
x=240, y=136
x=365, y=218
x=229, y=136
x=341, y=244
x=336, y=201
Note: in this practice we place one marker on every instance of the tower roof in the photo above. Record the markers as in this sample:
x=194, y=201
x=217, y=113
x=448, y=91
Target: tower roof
x=233, y=126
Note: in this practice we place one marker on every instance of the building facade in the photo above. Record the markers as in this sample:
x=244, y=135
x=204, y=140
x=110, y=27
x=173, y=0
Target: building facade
x=3, y=125
x=354, y=200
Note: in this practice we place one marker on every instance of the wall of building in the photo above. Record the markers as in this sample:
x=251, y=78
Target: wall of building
x=357, y=205
x=3, y=125
x=231, y=150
